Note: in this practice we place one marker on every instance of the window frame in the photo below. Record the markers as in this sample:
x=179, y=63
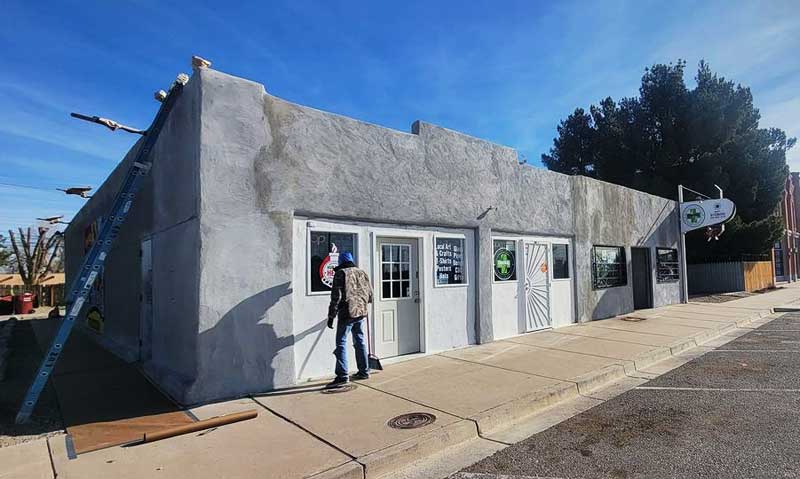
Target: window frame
x=553, y=262
x=677, y=266
x=594, y=266
x=463, y=239
x=323, y=229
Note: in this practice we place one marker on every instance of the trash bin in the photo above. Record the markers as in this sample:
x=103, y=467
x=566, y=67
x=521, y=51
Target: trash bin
x=23, y=303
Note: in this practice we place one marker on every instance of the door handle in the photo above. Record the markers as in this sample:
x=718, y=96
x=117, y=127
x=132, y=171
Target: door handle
x=416, y=296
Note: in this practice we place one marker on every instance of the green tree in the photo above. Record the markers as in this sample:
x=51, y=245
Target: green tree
x=671, y=135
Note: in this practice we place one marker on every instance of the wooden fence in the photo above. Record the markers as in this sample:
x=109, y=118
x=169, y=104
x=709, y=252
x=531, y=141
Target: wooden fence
x=730, y=276
x=758, y=275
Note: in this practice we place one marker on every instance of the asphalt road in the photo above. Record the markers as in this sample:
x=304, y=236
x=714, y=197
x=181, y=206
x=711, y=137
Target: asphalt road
x=733, y=412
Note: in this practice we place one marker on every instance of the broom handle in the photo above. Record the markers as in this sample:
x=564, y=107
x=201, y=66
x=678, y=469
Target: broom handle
x=369, y=338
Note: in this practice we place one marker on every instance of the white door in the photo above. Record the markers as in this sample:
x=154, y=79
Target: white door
x=146, y=301
x=397, y=298
x=537, y=287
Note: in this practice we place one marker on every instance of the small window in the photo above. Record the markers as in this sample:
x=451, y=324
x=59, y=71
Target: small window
x=450, y=262
x=505, y=260
x=560, y=261
x=396, y=271
x=324, y=249
x=609, y=267
x=667, y=266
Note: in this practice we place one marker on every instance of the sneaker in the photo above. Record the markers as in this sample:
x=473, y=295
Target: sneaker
x=337, y=383
x=360, y=376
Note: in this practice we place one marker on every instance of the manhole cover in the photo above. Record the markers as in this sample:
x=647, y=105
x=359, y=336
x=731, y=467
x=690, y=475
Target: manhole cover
x=341, y=389
x=633, y=318
x=412, y=420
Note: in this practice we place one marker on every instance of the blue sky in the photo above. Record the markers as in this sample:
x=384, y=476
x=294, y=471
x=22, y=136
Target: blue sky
x=504, y=71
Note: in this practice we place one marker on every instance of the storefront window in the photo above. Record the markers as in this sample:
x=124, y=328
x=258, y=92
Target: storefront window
x=324, y=250
x=560, y=261
x=609, y=267
x=667, y=265
x=450, y=262
x=505, y=260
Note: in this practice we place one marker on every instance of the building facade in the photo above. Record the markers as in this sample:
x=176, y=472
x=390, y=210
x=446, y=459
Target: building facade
x=218, y=283
x=785, y=252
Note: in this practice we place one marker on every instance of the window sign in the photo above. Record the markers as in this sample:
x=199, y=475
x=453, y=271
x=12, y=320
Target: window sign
x=560, y=261
x=505, y=260
x=667, y=265
x=609, y=267
x=449, y=261
x=324, y=256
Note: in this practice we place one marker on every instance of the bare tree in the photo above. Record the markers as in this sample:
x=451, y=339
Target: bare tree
x=36, y=259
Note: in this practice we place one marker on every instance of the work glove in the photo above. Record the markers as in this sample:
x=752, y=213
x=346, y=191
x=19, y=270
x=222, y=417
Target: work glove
x=330, y=323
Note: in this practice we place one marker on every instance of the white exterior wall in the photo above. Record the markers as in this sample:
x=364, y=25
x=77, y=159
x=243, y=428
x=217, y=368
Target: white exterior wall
x=508, y=316
x=447, y=314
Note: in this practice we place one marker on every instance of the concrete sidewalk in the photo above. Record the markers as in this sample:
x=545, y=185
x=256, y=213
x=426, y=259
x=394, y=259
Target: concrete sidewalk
x=480, y=393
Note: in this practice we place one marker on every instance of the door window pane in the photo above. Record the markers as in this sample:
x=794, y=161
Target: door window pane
x=505, y=260
x=560, y=261
x=404, y=271
x=324, y=250
x=396, y=267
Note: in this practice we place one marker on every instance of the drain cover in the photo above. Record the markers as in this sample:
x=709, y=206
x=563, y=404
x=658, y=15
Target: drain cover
x=341, y=389
x=411, y=420
x=633, y=318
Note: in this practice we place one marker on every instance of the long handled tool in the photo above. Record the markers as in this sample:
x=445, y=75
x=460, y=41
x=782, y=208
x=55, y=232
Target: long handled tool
x=374, y=362
x=94, y=260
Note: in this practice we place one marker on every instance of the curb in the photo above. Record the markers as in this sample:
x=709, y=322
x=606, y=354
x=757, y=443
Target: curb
x=786, y=309
x=500, y=417
x=348, y=470
x=380, y=463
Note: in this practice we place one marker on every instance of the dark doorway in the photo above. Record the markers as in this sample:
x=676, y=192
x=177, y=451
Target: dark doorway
x=642, y=280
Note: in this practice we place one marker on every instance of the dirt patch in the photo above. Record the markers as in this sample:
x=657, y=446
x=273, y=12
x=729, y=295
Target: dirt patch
x=23, y=361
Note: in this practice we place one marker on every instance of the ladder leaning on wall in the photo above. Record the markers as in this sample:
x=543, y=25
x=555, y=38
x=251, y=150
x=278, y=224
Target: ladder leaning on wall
x=93, y=261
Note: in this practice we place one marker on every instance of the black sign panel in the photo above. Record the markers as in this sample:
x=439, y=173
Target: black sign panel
x=450, y=261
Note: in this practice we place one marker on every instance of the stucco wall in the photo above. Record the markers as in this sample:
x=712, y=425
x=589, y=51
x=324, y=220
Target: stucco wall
x=165, y=211
x=236, y=166
x=612, y=215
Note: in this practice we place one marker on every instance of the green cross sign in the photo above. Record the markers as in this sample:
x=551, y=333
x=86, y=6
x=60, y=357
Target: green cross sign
x=694, y=215
x=503, y=264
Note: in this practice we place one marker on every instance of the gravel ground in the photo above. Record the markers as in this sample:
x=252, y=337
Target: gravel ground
x=22, y=364
x=732, y=412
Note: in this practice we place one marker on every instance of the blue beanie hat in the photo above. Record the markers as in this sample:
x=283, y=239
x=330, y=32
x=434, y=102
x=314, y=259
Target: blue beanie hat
x=345, y=257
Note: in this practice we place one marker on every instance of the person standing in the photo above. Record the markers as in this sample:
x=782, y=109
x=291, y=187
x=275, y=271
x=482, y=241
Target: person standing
x=351, y=294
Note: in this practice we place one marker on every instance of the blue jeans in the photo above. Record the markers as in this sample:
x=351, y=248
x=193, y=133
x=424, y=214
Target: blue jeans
x=359, y=342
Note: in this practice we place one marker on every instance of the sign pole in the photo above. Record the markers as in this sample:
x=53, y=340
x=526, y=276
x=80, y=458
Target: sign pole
x=684, y=279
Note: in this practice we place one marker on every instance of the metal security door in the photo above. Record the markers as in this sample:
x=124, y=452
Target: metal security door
x=537, y=287
x=397, y=318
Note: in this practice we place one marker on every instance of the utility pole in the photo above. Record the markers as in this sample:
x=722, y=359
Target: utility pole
x=684, y=278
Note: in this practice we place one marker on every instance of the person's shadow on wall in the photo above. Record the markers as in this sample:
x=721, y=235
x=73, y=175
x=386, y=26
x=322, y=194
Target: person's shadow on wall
x=246, y=352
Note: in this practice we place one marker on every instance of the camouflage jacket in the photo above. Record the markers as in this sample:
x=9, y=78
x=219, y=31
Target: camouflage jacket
x=351, y=293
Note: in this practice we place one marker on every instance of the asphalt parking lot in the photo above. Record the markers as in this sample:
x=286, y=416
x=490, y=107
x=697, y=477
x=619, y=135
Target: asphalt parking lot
x=733, y=412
